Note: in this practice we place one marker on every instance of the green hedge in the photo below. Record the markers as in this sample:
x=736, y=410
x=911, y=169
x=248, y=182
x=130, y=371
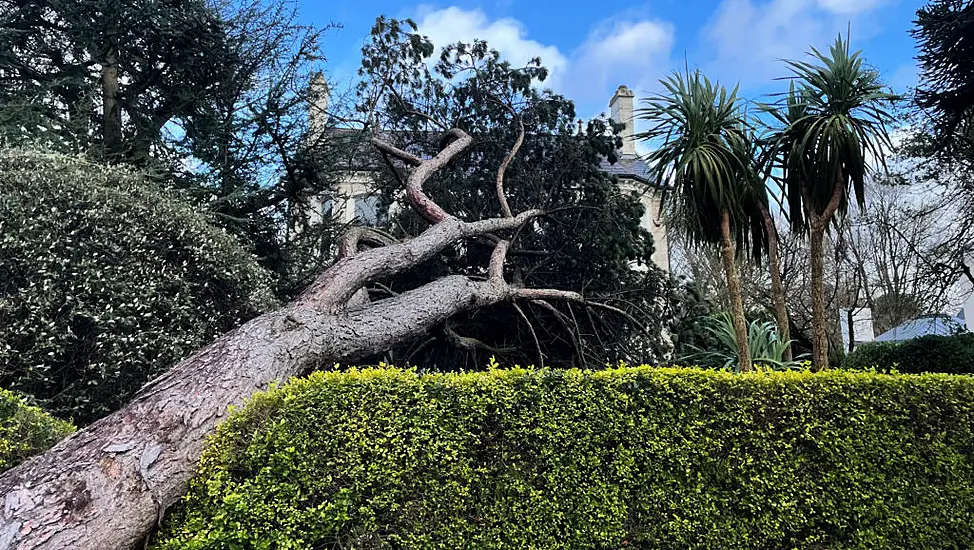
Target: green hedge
x=625, y=458
x=107, y=280
x=932, y=353
x=25, y=430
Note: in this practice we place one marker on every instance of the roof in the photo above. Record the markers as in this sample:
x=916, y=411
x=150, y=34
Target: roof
x=941, y=325
x=628, y=167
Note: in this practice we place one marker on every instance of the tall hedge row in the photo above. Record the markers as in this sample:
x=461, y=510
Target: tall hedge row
x=625, y=458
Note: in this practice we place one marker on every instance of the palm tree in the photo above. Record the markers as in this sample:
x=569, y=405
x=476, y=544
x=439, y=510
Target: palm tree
x=830, y=121
x=699, y=130
x=764, y=238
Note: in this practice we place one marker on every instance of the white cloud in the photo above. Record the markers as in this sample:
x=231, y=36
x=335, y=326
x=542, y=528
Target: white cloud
x=629, y=48
x=507, y=36
x=848, y=6
x=620, y=51
x=747, y=38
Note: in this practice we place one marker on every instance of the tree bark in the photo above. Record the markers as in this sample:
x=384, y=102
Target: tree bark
x=777, y=288
x=734, y=290
x=818, y=223
x=820, y=345
x=111, y=110
x=108, y=486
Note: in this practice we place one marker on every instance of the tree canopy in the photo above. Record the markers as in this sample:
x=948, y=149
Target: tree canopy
x=529, y=143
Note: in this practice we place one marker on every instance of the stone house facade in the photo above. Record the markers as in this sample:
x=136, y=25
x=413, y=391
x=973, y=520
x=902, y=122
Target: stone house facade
x=356, y=201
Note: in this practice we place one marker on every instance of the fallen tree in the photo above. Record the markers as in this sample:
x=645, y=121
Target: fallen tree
x=109, y=485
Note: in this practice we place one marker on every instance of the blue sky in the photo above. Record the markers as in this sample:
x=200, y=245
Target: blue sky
x=593, y=47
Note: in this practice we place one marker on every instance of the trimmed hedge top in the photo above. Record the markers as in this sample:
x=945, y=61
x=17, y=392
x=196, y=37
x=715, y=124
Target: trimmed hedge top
x=930, y=353
x=624, y=458
x=25, y=430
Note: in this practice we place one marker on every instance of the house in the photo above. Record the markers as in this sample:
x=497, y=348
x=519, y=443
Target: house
x=355, y=199
x=924, y=325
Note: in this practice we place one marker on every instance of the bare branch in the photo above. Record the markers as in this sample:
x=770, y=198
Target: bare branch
x=469, y=344
x=352, y=272
x=501, y=195
x=563, y=321
x=414, y=185
x=497, y=258
x=534, y=335
x=392, y=168
x=396, y=152
x=350, y=241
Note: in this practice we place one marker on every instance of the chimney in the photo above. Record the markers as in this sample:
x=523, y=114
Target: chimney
x=621, y=112
x=318, y=107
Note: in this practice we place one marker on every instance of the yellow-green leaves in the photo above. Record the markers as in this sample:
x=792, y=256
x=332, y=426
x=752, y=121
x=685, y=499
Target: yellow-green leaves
x=621, y=458
x=26, y=430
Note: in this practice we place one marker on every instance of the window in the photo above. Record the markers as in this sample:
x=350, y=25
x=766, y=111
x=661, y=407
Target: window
x=368, y=211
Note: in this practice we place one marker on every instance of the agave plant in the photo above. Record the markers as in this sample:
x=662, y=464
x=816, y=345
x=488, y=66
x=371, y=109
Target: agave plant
x=768, y=350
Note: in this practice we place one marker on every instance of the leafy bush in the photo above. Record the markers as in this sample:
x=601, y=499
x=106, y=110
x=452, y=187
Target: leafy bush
x=767, y=348
x=870, y=355
x=106, y=281
x=26, y=430
x=932, y=353
x=624, y=458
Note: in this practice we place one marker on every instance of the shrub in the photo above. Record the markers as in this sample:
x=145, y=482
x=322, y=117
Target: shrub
x=106, y=281
x=625, y=458
x=767, y=349
x=26, y=430
x=932, y=353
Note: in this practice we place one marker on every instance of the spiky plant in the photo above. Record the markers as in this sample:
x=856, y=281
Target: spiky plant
x=768, y=348
x=697, y=131
x=830, y=131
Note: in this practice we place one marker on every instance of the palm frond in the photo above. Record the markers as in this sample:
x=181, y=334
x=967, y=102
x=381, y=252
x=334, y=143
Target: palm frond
x=829, y=129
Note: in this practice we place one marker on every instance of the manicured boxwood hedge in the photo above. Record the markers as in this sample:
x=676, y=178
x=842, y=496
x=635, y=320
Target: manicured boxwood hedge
x=26, y=430
x=624, y=458
x=931, y=353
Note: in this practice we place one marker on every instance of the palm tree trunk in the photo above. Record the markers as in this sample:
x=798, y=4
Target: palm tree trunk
x=777, y=288
x=820, y=346
x=734, y=289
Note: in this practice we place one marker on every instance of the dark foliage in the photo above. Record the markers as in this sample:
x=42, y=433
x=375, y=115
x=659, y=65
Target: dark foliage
x=590, y=241
x=931, y=353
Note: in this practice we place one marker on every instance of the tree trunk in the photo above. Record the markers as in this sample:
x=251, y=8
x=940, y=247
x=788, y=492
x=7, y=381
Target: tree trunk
x=734, y=290
x=820, y=345
x=111, y=110
x=108, y=486
x=777, y=288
